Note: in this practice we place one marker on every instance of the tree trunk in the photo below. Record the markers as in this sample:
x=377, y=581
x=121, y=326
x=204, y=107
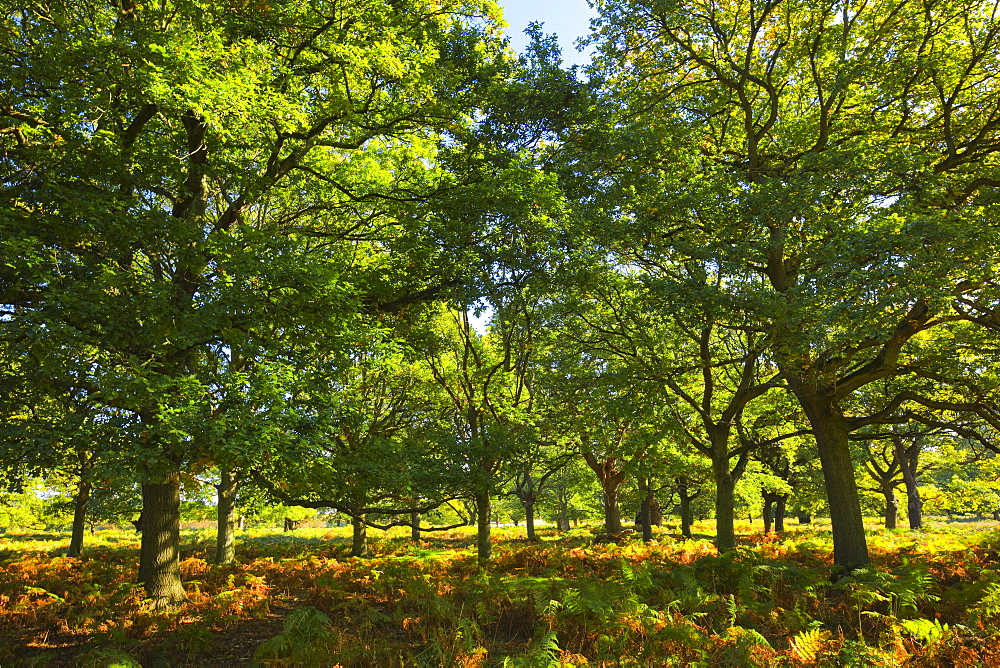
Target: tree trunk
x=562, y=519
x=891, y=506
x=359, y=537
x=655, y=513
x=766, y=512
x=850, y=545
x=415, y=526
x=80, y=502
x=612, y=513
x=529, y=517
x=484, y=548
x=610, y=479
x=907, y=466
x=646, y=510
x=473, y=514
x=779, y=513
x=159, y=552
x=725, y=502
x=225, y=535
x=687, y=513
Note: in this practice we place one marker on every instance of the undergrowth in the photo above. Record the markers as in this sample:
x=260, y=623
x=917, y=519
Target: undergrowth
x=929, y=598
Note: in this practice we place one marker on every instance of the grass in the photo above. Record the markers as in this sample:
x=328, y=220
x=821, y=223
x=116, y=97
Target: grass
x=932, y=597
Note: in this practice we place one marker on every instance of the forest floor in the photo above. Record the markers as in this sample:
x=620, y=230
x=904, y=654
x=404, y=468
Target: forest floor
x=931, y=598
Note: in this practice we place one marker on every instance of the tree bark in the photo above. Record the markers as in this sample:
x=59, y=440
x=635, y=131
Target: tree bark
x=612, y=512
x=359, y=537
x=774, y=511
x=610, y=480
x=779, y=513
x=850, y=546
x=646, y=509
x=80, y=502
x=415, y=526
x=159, y=552
x=529, y=517
x=655, y=513
x=907, y=458
x=891, y=506
x=562, y=519
x=473, y=513
x=483, y=545
x=687, y=513
x=725, y=504
x=225, y=537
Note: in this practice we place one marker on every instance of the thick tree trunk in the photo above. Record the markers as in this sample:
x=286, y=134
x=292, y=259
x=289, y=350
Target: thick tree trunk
x=225, y=535
x=612, y=512
x=687, y=516
x=779, y=513
x=529, y=517
x=774, y=511
x=891, y=506
x=415, y=526
x=483, y=545
x=610, y=479
x=359, y=537
x=80, y=503
x=159, y=552
x=850, y=545
x=766, y=512
x=725, y=503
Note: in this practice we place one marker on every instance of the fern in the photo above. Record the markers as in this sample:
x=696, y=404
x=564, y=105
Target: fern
x=807, y=645
x=741, y=653
x=925, y=631
x=988, y=607
x=300, y=643
x=107, y=658
x=545, y=654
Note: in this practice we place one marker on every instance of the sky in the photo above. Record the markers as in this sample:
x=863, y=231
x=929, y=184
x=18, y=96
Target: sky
x=569, y=19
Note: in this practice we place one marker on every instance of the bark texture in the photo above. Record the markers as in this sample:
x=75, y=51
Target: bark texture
x=159, y=553
x=225, y=537
x=483, y=545
x=80, y=503
x=850, y=546
x=415, y=526
x=359, y=537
